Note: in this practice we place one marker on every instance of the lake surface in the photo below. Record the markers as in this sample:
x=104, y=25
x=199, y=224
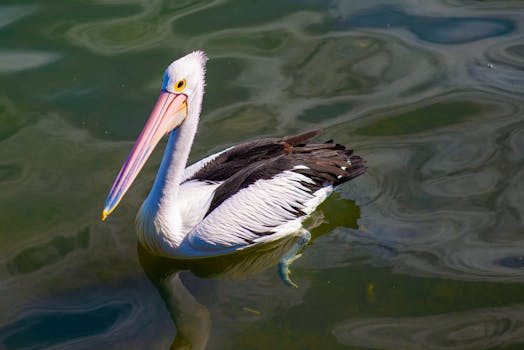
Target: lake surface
x=425, y=251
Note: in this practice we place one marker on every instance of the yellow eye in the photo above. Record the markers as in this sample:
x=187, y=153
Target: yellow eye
x=180, y=85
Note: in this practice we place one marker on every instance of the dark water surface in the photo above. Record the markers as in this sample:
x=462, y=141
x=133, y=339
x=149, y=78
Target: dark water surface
x=426, y=251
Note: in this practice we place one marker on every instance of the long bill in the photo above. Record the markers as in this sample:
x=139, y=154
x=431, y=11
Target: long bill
x=168, y=113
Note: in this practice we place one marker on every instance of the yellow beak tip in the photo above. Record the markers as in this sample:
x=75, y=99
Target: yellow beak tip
x=105, y=214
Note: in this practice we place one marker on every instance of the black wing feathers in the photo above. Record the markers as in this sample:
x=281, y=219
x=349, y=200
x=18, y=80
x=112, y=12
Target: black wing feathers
x=237, y=158
x=241, y=156
x=325, y=163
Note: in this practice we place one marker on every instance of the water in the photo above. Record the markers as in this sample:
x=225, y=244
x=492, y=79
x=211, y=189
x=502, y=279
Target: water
x=426, y=251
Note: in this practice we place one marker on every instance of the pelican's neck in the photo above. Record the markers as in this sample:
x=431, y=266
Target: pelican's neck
x=167, y=182
x=159, y=225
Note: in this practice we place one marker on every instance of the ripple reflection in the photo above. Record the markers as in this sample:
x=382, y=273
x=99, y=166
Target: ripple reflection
x=14, y=61
x=450, y=199
x=46, y=328
x=442, y=30
x=477, y=329
x=10, y=14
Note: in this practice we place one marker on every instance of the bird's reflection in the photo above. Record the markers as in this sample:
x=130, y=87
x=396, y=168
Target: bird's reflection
x=193, y=319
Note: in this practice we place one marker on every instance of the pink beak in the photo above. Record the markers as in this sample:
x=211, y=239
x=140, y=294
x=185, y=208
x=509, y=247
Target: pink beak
x=168, y=113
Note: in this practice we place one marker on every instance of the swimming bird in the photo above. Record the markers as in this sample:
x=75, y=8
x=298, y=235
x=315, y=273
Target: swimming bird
x=245, y=195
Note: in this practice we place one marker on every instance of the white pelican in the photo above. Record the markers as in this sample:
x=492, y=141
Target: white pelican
x=248, y=194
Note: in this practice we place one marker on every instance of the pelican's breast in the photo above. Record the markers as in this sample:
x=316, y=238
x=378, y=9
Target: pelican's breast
x=161, y=227
x=194, y=199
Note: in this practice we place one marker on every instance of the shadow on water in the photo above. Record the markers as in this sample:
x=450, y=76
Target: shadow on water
x=193, y=320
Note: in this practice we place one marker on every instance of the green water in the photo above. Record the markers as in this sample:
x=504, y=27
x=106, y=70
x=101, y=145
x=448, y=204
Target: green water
x=425, y=251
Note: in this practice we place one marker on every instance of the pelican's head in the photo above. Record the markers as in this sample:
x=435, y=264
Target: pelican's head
x=186, y=76
x=179, y=100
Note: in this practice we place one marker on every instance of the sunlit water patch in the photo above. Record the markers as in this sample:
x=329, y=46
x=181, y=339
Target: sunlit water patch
x=13, y=13
x=14, y=61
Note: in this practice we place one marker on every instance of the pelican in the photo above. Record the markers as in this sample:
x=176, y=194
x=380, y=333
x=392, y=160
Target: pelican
x=245, y=195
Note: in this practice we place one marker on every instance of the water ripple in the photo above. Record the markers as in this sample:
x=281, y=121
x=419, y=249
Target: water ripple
x=38, y=256
x=122, y=312
x=449, y=200
x=465, y=184
x=12, y=61
x=441, y=30
x=53, y=327
x=498, y=68
x=11, y=14
x=476, y=329
x=148, y=28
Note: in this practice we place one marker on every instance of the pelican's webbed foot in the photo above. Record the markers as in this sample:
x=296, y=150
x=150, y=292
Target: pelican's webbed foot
x=291, y=255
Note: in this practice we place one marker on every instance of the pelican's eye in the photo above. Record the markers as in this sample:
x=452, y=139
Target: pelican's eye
x=180, y=85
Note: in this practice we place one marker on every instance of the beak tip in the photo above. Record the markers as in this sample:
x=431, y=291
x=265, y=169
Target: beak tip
x=105, y=214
